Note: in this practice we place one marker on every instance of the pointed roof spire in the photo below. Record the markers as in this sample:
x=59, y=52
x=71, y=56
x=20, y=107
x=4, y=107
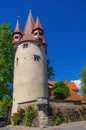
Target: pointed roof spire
x=29, y=24
x=28, y=28
x=38, y=25
x=17, y=28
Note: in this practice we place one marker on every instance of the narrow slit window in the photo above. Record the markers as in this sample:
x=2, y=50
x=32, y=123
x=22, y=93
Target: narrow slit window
x=17, y=61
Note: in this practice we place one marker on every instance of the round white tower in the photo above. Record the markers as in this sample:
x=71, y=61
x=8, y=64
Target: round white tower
x=30, y=73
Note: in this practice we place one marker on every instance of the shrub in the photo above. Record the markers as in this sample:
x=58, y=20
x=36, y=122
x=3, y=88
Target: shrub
x=61, y=90
x=5, y=105
x=16, y=119
x=66, y=119
x=57, y=121
x=85, y=117
x=29, y=116
x=24, y=116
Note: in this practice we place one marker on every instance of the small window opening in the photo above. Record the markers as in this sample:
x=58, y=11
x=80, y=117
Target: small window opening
x=16, y=37
x=40, y=33
x=25, y=45
x=35, y=33
x=36, y=58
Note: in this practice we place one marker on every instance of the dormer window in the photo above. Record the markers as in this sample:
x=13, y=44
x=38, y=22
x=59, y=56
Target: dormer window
x=16, y=37
x=38, y=34
x=35, y=34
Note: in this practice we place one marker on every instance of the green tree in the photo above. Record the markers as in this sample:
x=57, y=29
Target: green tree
x=83, y=75
x=83, y=79
x=50, y=72
x=61, y=90
x=5, y=108
x=5, y=105
x=6, y=60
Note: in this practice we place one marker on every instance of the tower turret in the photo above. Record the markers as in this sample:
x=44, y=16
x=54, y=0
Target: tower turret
x=17, y=35
x=38, y=31
x=30, y=72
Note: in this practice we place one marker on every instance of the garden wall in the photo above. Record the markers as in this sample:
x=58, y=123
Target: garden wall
x=67, y=111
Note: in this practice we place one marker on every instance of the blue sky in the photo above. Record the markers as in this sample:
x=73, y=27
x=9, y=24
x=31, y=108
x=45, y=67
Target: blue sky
x=64, y=23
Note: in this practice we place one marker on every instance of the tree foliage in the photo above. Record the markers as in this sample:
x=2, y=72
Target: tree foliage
x=50, y=71
x=83, y=75
x=24, y=116
x=6, y=60
x=61, y=90
x=83, y=79
x=5, y=105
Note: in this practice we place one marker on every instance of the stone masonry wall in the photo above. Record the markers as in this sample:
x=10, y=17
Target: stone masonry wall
x=67, y=111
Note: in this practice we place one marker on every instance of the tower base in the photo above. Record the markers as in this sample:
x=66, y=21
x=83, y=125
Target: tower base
x=41, y=106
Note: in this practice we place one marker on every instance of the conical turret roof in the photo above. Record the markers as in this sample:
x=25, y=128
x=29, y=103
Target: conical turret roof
x=37, y=24
x=29, y=24
x=28, y=28
x=17, y=28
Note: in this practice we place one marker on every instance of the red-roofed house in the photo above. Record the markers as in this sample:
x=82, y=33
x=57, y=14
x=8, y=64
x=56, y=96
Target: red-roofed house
x=74, y=96
x=51, y=83
x=73, y=90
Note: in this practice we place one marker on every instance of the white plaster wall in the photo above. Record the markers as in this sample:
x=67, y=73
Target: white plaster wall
x=30, y=77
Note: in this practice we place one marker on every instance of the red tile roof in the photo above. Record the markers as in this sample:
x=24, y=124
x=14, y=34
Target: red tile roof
x=72, y=86
x=81, y=96
x=28, y=30
x=37, y=25
x=51, y=83
x=17, y=28
x=74, y=96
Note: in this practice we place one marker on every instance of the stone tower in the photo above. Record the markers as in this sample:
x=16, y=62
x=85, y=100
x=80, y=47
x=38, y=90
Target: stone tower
x=30, y=73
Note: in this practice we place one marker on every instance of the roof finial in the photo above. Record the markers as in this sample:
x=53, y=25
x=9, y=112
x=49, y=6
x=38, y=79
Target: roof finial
x=18, y=20
x=30, y=9
x=18, y=17
x=17, y=28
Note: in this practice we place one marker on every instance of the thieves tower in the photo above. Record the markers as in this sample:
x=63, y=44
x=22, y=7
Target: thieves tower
x=30, y=72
